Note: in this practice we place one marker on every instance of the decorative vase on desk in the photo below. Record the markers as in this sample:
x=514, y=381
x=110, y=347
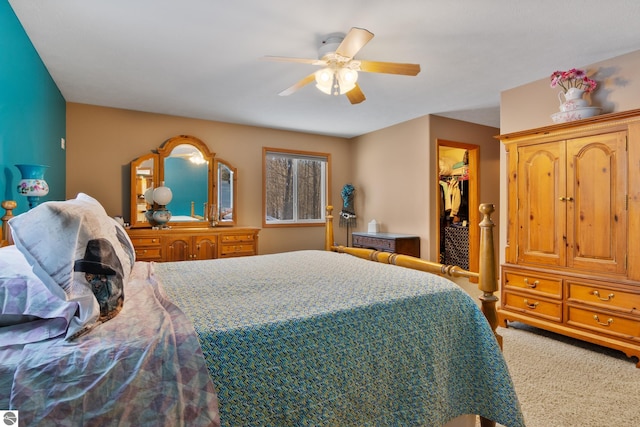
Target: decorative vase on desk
x=32, y=183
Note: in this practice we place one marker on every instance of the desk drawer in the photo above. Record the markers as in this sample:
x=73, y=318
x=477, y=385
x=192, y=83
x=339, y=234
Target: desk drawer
x=533, y=305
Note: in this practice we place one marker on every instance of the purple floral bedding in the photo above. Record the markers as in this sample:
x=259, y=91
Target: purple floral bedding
x=142, y=368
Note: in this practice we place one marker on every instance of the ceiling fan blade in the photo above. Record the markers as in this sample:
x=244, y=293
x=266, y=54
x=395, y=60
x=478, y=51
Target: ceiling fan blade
x=389, y=68
x=299, y=60
x=310, y=78
x=355, y=40
x=355, y=95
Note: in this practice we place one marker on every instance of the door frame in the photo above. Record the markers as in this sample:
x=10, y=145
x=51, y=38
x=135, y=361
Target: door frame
x=474, y=197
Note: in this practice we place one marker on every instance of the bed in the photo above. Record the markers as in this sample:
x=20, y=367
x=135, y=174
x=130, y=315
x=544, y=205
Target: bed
x=294, y=339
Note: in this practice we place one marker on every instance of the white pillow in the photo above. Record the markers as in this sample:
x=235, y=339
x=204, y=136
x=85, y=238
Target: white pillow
x=71, y=242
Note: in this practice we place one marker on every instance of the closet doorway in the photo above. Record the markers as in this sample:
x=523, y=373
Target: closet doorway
x=458, y=201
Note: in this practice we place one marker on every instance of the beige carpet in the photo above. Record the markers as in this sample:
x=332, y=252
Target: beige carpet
x=562, y=382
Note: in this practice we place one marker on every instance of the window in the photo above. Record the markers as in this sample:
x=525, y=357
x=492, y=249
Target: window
x=295, y=187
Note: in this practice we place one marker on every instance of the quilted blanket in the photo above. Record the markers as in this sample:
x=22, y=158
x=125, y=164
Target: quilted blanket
x=142, y=368
x=316, y=338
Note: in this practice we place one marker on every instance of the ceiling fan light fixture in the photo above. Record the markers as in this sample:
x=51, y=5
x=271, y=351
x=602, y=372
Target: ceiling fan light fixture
x=324, y=80
x=347, y=79
x=336, y=82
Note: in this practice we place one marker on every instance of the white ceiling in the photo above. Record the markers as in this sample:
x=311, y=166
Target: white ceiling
x=200, y=58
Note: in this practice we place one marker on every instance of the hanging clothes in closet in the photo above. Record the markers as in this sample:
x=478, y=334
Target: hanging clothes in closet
x=454, y=214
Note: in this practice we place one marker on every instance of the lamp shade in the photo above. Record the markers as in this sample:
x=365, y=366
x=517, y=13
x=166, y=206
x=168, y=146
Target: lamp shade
x=162, y=195
x=148, y=195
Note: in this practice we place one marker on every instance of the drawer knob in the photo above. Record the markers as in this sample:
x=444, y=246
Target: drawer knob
x=609, y=321
x=532, y=306
x=608, y=298
x=531, y=285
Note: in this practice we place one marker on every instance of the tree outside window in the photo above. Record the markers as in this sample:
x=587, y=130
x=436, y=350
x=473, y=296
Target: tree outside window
x=295, y=187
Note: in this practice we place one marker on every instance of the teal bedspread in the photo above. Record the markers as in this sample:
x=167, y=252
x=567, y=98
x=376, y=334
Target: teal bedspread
x=314, y=338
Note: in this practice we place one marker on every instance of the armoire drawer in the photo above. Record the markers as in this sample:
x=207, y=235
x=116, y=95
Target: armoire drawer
x=536, y=283
x=531, y=304
x=605, y=322
x=612, y=299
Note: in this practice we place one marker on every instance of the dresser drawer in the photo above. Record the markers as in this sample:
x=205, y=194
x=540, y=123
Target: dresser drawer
x=404, y=244
x=603, y=296
x=148, y=254
x=233, y=238
x=237, y=249
x=605, y=322
x=386, y=245
x=533, y=305
x=536, y=283
x=145, y=241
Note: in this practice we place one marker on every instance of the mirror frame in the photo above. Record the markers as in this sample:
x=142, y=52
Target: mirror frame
x=162, y=153
x=234, y=194
x=135, y=197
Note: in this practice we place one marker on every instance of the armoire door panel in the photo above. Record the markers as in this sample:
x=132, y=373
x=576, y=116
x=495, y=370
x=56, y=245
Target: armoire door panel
x=596, y=203
x=541, y=215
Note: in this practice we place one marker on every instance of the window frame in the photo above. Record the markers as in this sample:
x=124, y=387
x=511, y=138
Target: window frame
x=296, y=154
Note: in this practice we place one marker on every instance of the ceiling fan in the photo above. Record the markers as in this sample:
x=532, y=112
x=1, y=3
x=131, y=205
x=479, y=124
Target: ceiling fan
x=339, y=74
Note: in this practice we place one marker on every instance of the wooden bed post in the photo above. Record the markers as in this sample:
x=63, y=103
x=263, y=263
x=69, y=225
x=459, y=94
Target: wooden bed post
x=487, y=269
x=5, y=236
x=328, y=230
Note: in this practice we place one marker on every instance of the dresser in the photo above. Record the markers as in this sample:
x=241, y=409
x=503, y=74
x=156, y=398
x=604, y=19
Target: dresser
x=388, y=242
x=572, y=258
x=186, y=244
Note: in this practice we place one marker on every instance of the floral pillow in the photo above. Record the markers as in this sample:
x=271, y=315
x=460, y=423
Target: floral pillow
x=80, y=253
x=29, y=312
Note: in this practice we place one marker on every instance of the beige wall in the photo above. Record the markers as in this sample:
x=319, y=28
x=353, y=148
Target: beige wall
x=531, y=105
x=395, y=172
x=102, y=141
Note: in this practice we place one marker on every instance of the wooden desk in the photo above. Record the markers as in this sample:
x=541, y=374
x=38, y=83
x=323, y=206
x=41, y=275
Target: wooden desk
x=404, y=244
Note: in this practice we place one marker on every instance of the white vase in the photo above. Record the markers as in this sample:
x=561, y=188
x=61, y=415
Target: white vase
x=572, y=99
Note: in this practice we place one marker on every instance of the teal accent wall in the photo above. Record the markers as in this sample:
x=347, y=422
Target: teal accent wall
x=32, y=113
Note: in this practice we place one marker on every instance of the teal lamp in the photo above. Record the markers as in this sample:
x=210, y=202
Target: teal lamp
x=32, y=183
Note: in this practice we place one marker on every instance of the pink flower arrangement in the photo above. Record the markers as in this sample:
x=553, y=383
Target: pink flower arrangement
x=573, y=78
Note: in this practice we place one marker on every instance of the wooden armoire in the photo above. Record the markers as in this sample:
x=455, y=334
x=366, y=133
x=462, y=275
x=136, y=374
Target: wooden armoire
x=572, y=261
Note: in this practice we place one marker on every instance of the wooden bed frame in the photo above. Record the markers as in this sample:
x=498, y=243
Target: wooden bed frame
x=486, y=276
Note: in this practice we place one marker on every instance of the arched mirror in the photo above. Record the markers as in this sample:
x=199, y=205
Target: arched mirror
x=203, y=190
